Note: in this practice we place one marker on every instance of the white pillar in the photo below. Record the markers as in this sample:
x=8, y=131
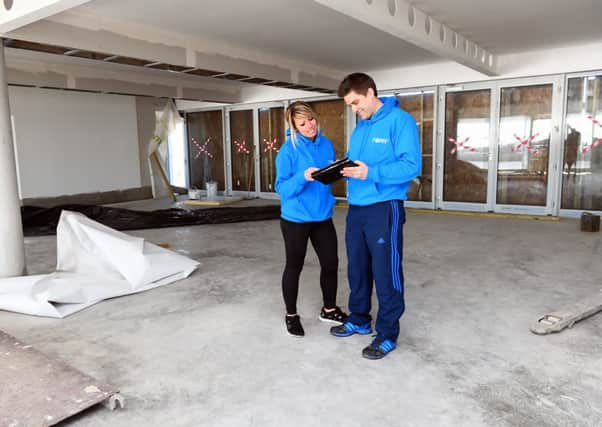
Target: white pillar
x=12, y=250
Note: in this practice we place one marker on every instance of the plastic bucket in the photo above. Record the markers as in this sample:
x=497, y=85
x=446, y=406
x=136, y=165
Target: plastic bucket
x=211, y=190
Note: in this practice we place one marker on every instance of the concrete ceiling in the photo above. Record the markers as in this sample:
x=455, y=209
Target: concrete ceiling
x=520, y=25
x=309, y=32
x=301, y=30
x=309, y=42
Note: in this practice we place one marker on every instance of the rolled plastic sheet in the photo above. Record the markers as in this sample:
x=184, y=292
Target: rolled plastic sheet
x=44, y=221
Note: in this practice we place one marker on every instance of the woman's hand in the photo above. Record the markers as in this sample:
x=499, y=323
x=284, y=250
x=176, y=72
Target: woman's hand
x=358, y=172
x=308, y=173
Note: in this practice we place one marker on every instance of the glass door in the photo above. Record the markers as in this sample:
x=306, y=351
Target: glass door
x=499, y=146
x=527, y=146
x=271, y=137
x=421, y=105
x=242, y=151
x=205, y=132
x=581, y=179
x=465, y=135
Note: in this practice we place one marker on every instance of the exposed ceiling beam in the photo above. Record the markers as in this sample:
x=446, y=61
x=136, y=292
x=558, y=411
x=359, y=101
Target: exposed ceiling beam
x=169, y=52
x=16, y=14
x=402, y=20
x=47, y=71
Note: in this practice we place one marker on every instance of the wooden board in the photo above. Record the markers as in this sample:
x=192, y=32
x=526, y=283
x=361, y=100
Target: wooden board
x=37, y=390
x=216, y=202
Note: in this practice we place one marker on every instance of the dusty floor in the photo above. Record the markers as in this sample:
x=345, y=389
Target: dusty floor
x=212, y=350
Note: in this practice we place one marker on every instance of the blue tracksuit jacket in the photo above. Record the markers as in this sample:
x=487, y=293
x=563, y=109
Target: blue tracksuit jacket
x=388, y=143
x=301, y=200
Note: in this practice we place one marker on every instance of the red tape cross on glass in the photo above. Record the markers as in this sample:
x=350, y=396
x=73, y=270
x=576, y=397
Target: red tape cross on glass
x=270, y=145
x=202, y=149
x=241, y=147
x=460, y=145
x=526, y=142
x=595, y=141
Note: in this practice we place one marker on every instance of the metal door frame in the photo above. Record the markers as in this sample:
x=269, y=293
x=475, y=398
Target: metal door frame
x=259, y=106
x=254, y=108
x=440, y=151
x=203, y=110
x=570, y=213
x=418, y=91
x=554, y=149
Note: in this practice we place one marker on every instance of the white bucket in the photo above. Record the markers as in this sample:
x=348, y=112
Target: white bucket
x=211, y=190
x=194, y=194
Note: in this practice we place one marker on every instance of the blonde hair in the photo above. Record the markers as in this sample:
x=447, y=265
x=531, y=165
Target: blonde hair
x=299, y=109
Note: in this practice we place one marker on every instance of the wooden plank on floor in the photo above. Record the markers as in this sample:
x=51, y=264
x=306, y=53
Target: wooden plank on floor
x=37, y=390
x=213, y=202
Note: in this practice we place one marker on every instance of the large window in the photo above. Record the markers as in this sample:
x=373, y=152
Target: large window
x=271, y=137
x=243, y=150
x=582, y=157
x=206, y=149
x=177, y=156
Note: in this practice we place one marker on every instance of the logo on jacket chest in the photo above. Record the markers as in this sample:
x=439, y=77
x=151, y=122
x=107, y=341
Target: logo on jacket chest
x=376, y=140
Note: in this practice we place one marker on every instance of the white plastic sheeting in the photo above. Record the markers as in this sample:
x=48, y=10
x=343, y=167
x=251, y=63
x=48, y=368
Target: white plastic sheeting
x=94, y=262
x=165, y=123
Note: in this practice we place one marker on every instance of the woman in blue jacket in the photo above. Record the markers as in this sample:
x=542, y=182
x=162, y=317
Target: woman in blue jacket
x=306, y=213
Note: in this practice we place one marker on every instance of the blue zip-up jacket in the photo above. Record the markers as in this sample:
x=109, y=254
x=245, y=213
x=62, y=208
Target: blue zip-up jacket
x=302, y=200
x=388, y=143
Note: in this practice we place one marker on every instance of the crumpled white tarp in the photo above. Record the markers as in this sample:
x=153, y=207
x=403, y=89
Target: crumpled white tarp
x=94, y=262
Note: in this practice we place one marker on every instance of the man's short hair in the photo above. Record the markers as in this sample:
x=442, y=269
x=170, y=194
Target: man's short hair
x=357, y=82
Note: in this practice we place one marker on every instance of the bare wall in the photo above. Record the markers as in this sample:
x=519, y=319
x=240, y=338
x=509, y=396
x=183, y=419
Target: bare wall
x=72, y=142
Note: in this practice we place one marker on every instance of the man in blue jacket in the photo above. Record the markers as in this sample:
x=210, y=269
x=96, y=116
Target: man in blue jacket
x=386, y=149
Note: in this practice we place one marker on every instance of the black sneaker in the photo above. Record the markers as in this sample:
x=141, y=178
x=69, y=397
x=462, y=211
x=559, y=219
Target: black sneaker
x=378, y=349
x=293, y=326
x=337, y=316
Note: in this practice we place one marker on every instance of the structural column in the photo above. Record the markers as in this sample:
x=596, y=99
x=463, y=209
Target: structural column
x=12, y=251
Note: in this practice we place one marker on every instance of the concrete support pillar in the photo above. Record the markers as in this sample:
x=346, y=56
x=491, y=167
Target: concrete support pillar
x=12, y=250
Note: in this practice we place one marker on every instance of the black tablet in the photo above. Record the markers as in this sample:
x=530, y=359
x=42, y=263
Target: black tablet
x=332, y=172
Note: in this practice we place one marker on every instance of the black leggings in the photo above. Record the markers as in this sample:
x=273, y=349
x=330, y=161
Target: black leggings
x=323, y=238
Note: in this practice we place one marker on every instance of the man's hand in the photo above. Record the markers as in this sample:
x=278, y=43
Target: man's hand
x=308, y=173
x=357, y=172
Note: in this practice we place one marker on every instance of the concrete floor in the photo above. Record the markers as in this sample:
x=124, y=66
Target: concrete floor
x=212, y=350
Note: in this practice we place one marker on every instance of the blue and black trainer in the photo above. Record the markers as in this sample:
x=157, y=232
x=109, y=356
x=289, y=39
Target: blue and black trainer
x=348, y=328
x=378, y=349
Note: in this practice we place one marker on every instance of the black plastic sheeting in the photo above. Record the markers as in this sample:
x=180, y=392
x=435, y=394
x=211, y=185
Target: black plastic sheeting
x=42, y=221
